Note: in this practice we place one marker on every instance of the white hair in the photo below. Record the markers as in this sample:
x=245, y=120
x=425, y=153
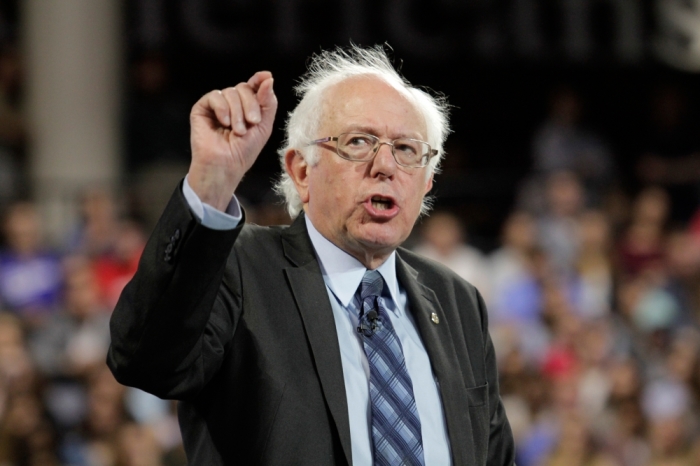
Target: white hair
x=331, y=67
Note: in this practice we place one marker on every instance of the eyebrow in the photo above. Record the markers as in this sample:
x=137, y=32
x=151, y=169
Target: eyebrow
x=361, y=129
x=373, y=131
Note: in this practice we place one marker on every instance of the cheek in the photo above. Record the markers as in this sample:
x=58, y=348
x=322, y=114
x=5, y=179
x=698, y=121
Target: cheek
x=342, y=187
x=337, y=196
x=331, y=193
x=415, y=200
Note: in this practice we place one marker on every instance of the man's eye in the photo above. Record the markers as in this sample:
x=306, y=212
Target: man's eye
x=407, y=149
x=359, y=141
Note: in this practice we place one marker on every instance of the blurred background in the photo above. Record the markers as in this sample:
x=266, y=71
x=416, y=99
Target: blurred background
x=569, y=197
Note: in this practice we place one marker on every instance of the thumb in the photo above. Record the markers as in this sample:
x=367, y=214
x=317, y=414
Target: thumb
x=268, y=105
x=266, y=95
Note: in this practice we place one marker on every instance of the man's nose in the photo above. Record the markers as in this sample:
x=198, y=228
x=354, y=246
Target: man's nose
x=384, y=161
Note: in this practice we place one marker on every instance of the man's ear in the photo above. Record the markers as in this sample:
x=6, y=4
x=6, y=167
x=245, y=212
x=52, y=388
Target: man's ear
x=429, y=184
x=298, y=170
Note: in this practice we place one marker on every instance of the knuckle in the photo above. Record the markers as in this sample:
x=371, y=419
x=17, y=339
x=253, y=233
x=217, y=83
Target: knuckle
x=243, y=88
x=228, y=92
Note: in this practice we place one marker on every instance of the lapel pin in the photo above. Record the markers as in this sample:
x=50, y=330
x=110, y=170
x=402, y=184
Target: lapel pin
x=434, y=317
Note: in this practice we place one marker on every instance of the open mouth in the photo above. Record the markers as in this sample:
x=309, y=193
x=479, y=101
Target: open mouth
x=381, y=203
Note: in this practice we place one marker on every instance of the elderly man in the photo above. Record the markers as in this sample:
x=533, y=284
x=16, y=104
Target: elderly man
x=321, y=343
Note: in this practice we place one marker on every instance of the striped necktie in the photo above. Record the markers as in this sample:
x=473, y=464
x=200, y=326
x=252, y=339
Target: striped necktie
x=396, y=432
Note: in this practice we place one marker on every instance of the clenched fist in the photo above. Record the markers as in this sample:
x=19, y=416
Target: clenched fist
x=228, y=130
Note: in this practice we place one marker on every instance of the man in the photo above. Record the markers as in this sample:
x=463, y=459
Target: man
x=321, y=343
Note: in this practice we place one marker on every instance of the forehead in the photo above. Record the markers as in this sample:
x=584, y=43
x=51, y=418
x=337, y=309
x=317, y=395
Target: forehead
x=370, y=104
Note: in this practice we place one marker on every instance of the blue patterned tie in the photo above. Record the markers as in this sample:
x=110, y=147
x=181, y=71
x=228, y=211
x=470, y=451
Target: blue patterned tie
x=396, y=433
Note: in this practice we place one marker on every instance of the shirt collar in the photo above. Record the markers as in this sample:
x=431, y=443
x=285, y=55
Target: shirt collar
x=342, y=272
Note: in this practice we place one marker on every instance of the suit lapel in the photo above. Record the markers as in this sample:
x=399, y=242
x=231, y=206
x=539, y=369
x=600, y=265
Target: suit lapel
x=440, y=347
x=309, y=290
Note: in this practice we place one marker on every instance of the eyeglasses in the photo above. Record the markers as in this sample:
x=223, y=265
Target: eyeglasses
x=361, y=147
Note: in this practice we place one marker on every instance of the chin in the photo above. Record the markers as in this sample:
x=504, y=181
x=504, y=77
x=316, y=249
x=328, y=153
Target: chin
x=378, y=239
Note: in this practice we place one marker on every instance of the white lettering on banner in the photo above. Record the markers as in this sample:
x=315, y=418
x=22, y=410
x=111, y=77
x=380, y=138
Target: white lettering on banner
x=579, y=31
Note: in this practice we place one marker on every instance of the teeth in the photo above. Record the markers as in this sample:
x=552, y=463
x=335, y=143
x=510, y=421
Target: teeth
x=380, y=205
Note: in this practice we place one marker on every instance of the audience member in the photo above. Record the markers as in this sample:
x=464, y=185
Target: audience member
x=558, y=227
x=515, y=293
x=593, y=266
x=641, y=245
x=443, y=239
x=96, y=233
x=562, y=144
x=670, y=153
x=30, y=275
x=76, y=339
x=136, y=445
x=114, y=270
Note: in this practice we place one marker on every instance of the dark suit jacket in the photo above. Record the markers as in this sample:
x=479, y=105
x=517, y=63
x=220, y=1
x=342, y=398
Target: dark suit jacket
x=238, y=326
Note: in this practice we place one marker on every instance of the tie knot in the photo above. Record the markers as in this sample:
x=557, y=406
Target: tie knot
x=372, y=284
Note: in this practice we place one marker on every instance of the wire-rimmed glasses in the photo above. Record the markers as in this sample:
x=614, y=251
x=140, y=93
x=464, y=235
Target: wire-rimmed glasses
x=362, y=147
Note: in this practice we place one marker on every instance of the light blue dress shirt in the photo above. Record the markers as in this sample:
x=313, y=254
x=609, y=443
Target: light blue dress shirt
x=342, y=274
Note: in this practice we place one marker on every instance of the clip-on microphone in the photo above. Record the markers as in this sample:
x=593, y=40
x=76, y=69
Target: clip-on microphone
x=369, y=325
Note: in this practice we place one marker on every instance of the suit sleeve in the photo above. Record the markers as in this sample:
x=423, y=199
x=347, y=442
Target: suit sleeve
x=501, y=445
x=174, y=318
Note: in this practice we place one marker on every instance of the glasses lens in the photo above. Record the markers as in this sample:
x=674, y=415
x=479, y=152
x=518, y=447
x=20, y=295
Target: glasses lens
x=356, y=146
x=411, y=152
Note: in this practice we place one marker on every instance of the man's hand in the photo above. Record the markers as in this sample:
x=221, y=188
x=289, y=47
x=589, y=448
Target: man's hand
x=228, y=130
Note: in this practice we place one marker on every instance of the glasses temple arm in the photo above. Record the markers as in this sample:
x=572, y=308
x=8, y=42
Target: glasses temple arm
x=322, y=140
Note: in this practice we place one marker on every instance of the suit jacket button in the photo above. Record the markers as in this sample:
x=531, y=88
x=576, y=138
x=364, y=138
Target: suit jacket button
x=176, y=235
x=434, y=317
x=169, y=249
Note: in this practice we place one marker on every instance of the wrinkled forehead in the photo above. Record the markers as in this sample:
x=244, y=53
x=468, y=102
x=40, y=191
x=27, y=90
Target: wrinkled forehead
x=371, y=100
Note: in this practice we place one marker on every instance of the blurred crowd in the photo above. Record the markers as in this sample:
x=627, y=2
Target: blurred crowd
x=592, y=289
x=59, y=403
x=595, y=324
x=594, y=296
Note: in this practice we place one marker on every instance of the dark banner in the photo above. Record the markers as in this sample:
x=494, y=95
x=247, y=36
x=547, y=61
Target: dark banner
x=500, y=62
x=617, y=32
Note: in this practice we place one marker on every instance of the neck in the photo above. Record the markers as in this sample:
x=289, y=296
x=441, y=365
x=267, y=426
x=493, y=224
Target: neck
x=371, y=261
x=370, y=258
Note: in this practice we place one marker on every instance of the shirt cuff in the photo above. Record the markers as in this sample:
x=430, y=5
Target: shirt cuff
x=208, y=215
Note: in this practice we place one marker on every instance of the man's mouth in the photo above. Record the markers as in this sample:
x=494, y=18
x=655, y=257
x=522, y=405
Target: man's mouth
x=381, y=208
x=381, y=203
